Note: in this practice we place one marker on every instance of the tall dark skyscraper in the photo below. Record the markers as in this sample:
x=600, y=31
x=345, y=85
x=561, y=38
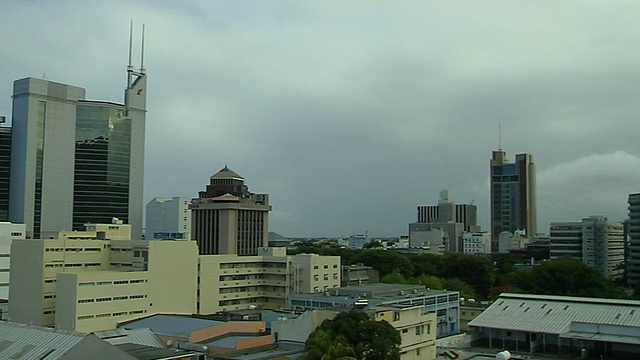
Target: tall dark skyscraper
x=5, y=170
x=633, y=246
x=227, y=218
x=513, y=194
x=76, y=161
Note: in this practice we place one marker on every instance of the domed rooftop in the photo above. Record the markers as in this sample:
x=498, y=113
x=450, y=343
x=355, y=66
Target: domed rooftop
x=226, y=173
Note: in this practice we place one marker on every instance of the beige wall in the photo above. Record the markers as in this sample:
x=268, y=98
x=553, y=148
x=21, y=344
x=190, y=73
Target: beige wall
x=417, y=331
x=317, y=273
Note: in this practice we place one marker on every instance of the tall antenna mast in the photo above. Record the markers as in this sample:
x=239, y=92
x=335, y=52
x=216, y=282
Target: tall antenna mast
x=142, y=52
x=129, y=66
x=499, y=137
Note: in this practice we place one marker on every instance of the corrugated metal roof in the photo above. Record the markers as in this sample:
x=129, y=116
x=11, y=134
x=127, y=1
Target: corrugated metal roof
x=141, y=336
x=554, y=314
x=601, y=337
x=172, y=325
x=27, y=342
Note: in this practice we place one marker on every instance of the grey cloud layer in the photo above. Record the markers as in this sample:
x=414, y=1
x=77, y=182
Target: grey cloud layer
x=351, y=114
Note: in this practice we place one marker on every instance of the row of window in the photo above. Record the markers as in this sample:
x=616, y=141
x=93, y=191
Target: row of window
x=316, y=277
x=120, y=313
x=114, y=298
x=335, y=266
x=115, y=282
x=72, y=249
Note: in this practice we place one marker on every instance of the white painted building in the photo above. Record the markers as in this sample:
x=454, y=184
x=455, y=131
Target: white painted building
x=8, y=232
x=476, y=243
x=168, y=217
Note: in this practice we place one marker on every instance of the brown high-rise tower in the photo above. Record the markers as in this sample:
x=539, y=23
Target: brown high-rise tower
x=227, y=218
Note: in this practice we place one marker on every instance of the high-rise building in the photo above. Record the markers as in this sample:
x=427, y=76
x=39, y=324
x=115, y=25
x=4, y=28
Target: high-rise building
x=633, y=246
x=229, y=219
x=168, y=217
x=513, y=195
x=453, y=219
x=595, y=241
x=76, y=161
x=5, y=169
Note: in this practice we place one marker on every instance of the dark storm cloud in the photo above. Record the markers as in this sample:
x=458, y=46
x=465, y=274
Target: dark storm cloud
x=351, y=114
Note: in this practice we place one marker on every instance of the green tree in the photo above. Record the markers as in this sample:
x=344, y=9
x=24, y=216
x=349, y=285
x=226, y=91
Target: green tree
x=385, y=261
x=466, y=290
x=394, y=278
x=355, y=335
x=568, y=276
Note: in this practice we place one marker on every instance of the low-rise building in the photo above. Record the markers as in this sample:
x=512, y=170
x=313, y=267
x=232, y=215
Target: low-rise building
x=8, y=233
x=356, y=275
x=476, y=243
x=445, y=304
x=560, y=324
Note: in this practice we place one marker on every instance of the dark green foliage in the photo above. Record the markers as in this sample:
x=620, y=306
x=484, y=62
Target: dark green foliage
x=571, y=277
x=385, y=261
x=353, y=335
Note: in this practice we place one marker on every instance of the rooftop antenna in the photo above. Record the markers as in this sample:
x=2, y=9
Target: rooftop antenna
x=129, y=66
x=499, y=137
x=142, y=52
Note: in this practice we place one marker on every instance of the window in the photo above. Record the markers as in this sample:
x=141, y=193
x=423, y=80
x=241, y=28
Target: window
x=404, y=331
x=396, y=316
x=326, y=266
x=84, y=301
x=326, y=276
x=335, y=266
x=316, y=277
x=315, y=267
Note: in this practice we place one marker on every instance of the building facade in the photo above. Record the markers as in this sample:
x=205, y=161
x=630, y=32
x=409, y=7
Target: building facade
x=229, y=219
x=76, y=161
x=445, y=304
x=476, y=243
x=92, y=280
x=633, y=247
x=232, y=282
x=168, y=218
x=454, y=219
x=513, y=195
x=595, y=241
x=5, y=170
x=8, y=233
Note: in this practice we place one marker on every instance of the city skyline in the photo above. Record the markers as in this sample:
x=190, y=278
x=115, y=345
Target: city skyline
x=350, y=124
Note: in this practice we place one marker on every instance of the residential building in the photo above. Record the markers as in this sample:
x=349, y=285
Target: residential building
x=513, y=195
x=86, y=281
x=357, y=241
x=231, y=282
x=578, y=326
x=595, y=240
x=76, y=161
x=229, y=219
x=417, y=329
x=425, y=236
x=168, y=218
x=356, y=275
x=8, y=233
x=453, y=219
x=476, y=243
x=633, y=256
x=94, y=279
x=445, y=304
x=5, y=169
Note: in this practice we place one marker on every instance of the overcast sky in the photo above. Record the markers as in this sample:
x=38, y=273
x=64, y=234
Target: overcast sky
x=350, y=114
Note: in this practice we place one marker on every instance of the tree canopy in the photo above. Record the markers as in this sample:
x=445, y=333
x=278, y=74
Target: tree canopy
x=353, y=335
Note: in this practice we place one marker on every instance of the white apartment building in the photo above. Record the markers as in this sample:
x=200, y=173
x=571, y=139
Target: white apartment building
x=85, y=284
x=231, y=282
x=476, y=243
x=87, y=280
x=168, y=217
x=8, y=232
x=595, y=240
